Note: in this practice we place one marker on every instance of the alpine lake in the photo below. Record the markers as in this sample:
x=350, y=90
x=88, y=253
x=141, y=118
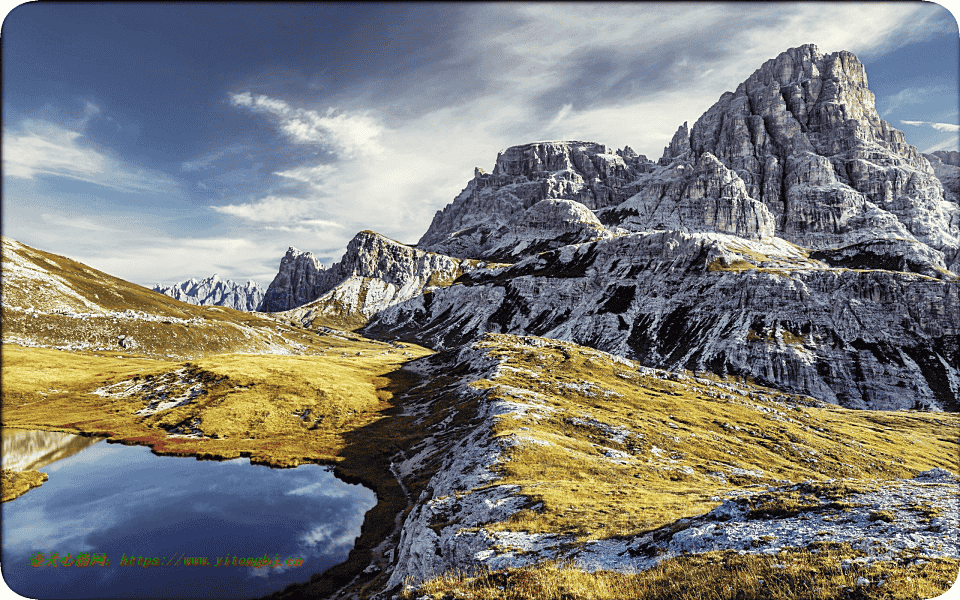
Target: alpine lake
x=116, y=521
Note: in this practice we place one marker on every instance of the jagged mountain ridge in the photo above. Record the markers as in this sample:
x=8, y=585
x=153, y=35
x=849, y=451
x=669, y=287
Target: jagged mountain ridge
x=714, y=302
x=790, y=235
x=802, y=138
x=213, y=291
x=803, y=134
x=374, y=273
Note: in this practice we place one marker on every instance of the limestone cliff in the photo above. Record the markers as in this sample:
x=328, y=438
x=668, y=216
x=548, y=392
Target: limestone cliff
x=301, y=279
x=584, y=172
x=803, y=134
x=946, y=166
x=872, y=338
x=374, y=273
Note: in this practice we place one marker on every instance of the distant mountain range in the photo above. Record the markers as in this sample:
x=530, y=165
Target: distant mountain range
x=213, y=291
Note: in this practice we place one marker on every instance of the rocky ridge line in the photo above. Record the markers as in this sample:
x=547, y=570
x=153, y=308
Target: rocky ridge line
x=213, y=291
x=374, y=273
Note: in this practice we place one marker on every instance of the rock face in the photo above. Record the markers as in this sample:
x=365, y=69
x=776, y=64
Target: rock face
x=374, y=273
x=804, y=136
x=547, y=225
x=585, y=172
x=700, y=196
x=213, y=291
x=946, y=166
x=947, y=157
x=300, y=280
x=714, y=302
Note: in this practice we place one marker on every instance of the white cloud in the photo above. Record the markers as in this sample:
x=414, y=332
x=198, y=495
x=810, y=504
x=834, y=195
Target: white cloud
x=951, y=143
x=313, y=175
x=945, y=127
x=911, y=96
x=43, y=148
x=347, y=134
x=75, y=222
x=938, y=126
x=330, y=539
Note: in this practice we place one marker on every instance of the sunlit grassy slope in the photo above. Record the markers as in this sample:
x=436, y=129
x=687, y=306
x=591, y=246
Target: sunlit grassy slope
x=695, y=438
x=53, y=301
x=232, y=405
x=611, y=450
x=791, y=575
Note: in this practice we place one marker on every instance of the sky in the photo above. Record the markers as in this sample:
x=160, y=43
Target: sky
x=160, y=142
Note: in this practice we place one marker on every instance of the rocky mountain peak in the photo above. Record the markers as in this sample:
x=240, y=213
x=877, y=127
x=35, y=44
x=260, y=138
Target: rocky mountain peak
x=299, y=280
x=585, y=172
x=803, y=134
x=214, y=291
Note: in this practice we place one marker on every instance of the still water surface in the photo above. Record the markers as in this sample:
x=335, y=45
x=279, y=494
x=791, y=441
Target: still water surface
x=123, y=500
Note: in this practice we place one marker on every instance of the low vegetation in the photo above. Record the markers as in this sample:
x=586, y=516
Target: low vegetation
x=619, y=452
x=17, y=483
x=822, y=572
x=278, y=410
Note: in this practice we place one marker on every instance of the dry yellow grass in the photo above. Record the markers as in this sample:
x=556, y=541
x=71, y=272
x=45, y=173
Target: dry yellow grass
x=791, y=575
x=251, y=405
x=17, y=483
x=685, y=436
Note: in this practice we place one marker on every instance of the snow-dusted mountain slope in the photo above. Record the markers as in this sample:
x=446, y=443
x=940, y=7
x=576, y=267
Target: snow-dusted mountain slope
x=213, y=291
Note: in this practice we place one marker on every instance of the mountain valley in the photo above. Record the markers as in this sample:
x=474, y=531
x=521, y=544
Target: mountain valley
x=595, y=372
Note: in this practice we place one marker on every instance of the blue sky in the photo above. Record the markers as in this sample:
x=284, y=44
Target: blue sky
x=162, y=142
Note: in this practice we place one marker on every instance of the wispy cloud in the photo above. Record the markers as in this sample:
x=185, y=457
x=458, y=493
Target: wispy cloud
x=911, y=96
x=40, y=148
x=950, y=143
x=347, y=134
x=206, y=161
x=75, y=222
x=271, y=209
x=938, y=126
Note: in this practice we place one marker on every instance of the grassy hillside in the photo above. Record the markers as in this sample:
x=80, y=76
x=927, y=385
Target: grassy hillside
x=279, y=410
x=55, y=302
x=605, y=452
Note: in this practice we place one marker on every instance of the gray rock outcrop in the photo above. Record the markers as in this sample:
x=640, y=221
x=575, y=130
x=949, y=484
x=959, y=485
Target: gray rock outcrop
x=374, y=273
x=547, y=225
x=301, y=278
x=585, y=172
x=213, y=291
x=803, y=134
x=946, y=166
x=700, y=196
x=713, y=302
